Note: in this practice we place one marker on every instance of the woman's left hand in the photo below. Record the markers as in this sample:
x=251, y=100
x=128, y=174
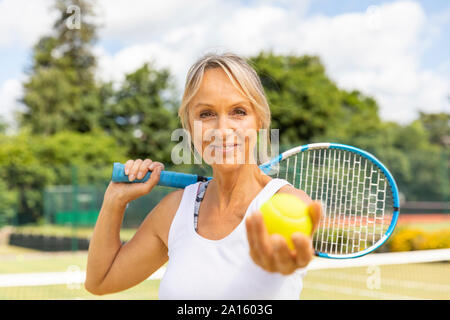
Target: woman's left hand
x=272, y=253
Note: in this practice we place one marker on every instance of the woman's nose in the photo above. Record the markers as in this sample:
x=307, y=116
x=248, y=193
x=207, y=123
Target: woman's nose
x=225, y=127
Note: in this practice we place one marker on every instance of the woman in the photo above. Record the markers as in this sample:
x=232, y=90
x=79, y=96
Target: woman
x=211, y=234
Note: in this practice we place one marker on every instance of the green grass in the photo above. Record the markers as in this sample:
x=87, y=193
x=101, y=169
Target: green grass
x=412, y=281
x=18, y=260
x=147, y=290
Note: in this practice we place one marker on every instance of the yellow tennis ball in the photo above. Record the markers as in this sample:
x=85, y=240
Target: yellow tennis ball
x=285, y=214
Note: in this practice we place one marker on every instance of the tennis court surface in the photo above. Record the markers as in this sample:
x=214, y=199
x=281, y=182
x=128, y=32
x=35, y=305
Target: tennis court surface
x=387, y=276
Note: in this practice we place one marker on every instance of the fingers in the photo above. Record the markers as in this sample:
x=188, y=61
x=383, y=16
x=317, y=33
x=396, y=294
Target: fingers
x=143, y=169
x=263, y=244
x=284, y=260
x=128, y=166
x=156, y=164
x=154, y=177
x=304, y=249
x=137, y=169
x=272, y=253
x=132, y=168
x=261, y=249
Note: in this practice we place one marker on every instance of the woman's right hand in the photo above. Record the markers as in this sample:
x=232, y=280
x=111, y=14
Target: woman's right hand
x=135, y=169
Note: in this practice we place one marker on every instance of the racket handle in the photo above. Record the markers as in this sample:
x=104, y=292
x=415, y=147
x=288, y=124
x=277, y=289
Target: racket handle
x=167, y=178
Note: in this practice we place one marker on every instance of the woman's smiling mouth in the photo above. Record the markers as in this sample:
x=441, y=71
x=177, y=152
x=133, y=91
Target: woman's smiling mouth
x=226, y=148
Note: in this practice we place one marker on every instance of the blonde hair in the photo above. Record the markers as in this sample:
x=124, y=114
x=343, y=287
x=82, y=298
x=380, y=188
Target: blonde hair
x=241, y=75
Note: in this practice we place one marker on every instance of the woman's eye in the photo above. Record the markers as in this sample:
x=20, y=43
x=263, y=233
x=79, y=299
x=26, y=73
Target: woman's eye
x=205, y=114
x=240, y=112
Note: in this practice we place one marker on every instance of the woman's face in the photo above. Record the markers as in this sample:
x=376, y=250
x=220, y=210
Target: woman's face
x=223, y=121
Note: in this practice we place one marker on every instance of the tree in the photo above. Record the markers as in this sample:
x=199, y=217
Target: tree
x=306, y=104
x=438, y=127
x=415, y=163
x=60, y=92
x=303, y=99
x=8, y=203
x=141, y=114
x=3, y=125
x=29, y=163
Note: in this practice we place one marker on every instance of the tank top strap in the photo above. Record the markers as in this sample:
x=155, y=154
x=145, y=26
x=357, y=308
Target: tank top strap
x=269, y=190
x=183, y=217
x=198, y=199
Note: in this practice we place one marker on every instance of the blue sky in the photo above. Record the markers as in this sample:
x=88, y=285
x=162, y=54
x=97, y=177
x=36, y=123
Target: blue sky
x=395, y=51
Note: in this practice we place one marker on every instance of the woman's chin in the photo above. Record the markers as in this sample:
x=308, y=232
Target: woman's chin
x=227, y=158
x=229, y=163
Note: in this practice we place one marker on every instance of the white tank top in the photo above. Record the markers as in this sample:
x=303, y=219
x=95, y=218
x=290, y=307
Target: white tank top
x=202, y=269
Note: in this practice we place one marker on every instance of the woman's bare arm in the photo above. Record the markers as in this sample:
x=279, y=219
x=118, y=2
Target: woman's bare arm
x=114, y=267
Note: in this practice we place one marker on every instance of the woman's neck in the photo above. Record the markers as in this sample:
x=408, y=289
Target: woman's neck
x=237, y=186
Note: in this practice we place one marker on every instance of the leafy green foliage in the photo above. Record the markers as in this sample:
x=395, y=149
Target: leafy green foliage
x=61, y=93
x=438, y=127
x=307, y=106
x=3, y=125
x=140, y=116
x=303, y=99
x=29, y=163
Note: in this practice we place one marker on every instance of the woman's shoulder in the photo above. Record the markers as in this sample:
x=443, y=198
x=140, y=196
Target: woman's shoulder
x=169, y=203
x=173, y=198
x=164, y=212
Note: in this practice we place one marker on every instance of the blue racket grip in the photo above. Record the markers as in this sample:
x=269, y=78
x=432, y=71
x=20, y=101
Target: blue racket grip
x=167, y=178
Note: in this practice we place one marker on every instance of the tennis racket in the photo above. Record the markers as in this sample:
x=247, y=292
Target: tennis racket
x=359, y=196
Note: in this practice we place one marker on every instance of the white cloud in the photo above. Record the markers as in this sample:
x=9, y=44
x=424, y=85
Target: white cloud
x=380, y=55
x=114, y=67
x=10, y=92
x=215, y=27
x=134, y=21
x=22, y=22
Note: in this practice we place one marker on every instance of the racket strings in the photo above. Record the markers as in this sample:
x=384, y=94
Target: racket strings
x=354, y=195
